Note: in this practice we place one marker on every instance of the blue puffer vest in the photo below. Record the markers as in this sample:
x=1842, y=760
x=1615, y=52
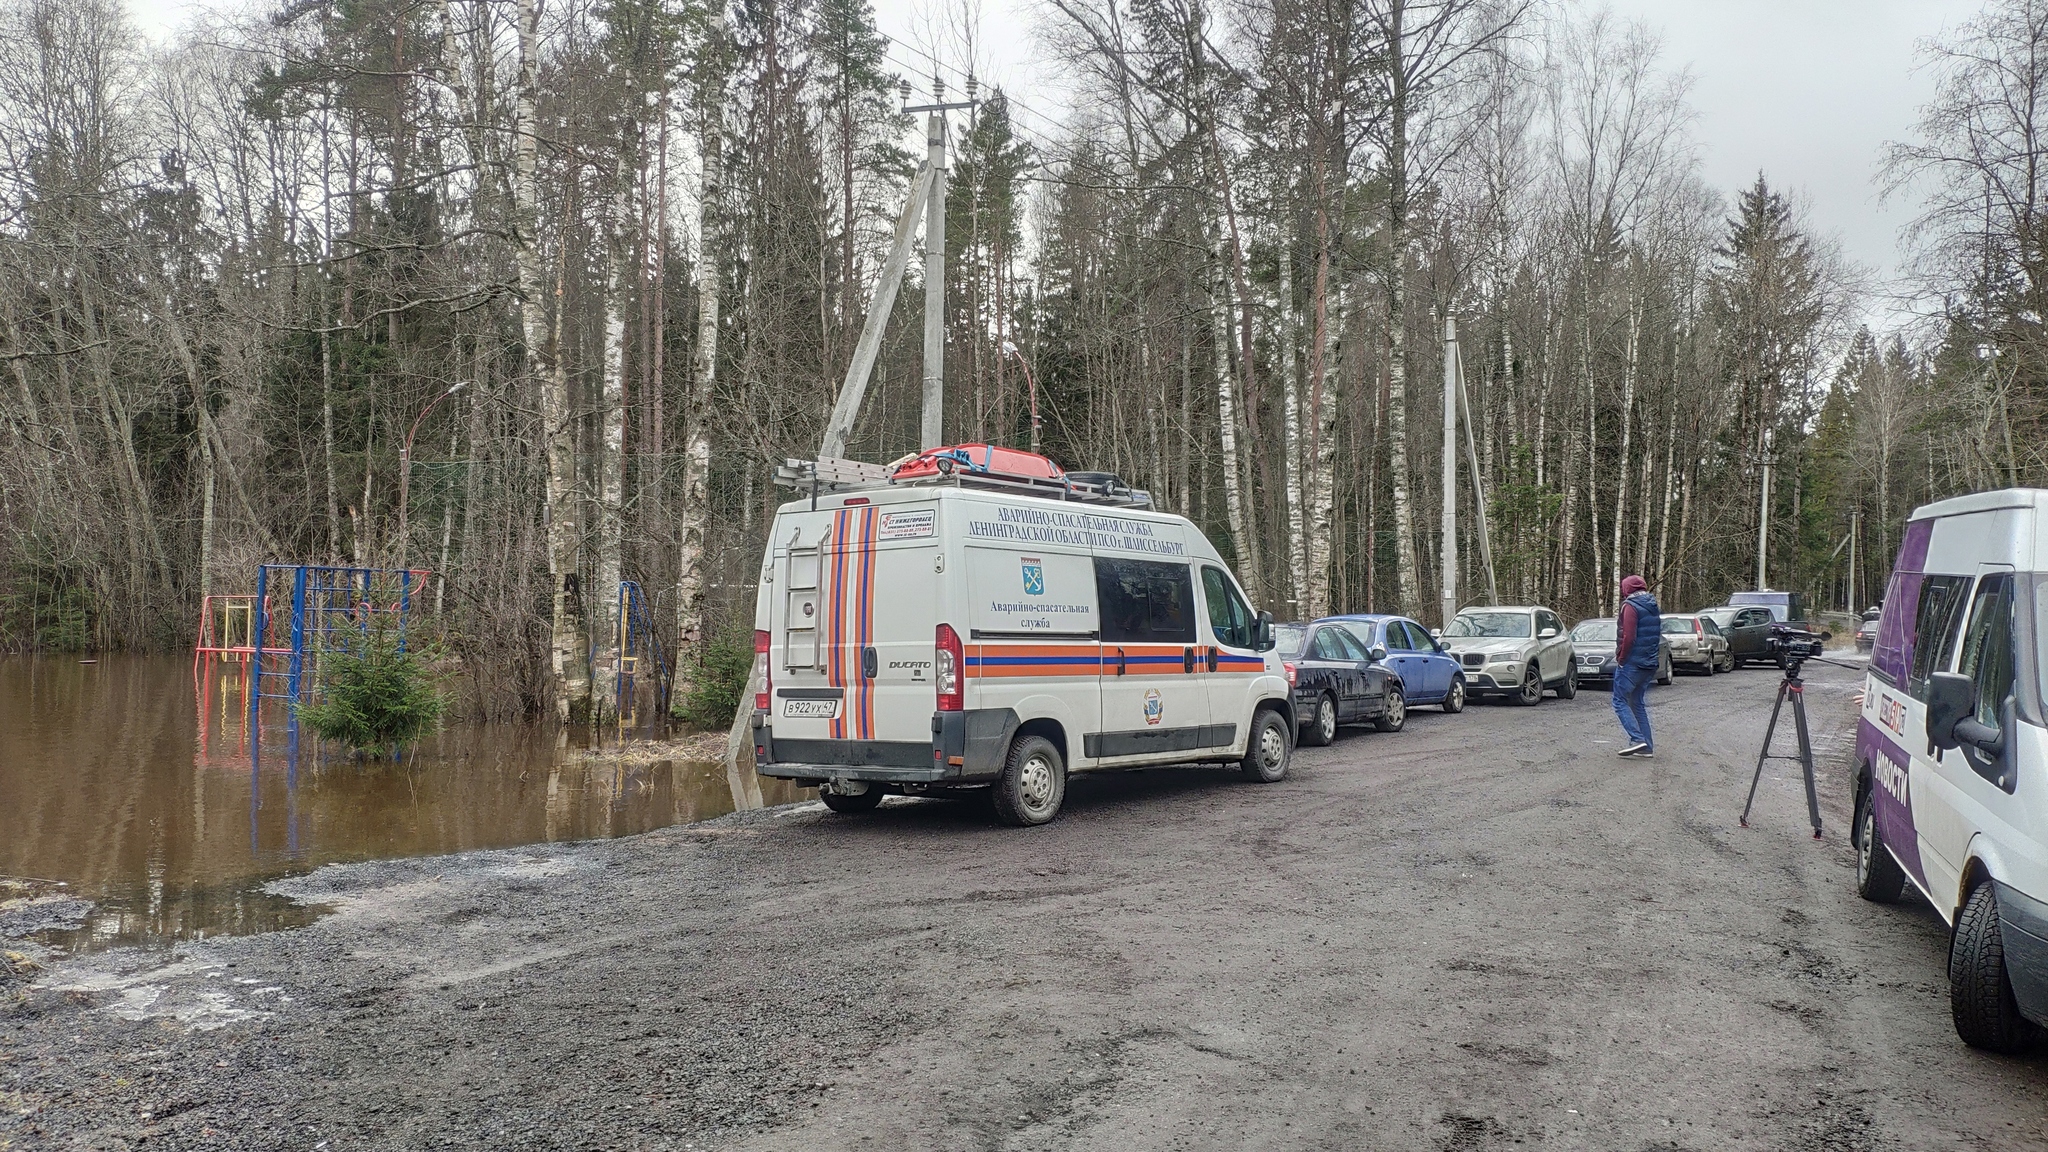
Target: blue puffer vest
x=1649, y=632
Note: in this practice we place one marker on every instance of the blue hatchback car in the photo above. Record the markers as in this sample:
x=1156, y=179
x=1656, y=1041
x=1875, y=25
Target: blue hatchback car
x=1428, y=674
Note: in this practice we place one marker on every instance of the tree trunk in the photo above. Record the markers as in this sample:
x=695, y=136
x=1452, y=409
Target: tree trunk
x=1226, y=425
x=1628, y=407
x=694, y=513
x=611, y=462
x=1290, y=391
x=568, y=645
x=1408, y=563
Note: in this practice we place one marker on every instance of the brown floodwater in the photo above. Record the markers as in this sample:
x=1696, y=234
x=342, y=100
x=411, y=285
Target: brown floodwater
x=135, y=786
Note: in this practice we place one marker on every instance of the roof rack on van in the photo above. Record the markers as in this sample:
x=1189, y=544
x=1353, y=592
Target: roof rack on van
x=980, y=466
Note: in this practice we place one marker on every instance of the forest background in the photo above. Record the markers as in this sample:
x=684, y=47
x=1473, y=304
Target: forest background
x=641, y=235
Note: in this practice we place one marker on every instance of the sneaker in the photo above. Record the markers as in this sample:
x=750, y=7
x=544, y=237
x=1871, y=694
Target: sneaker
x=1645, y=754
x=1635, y=750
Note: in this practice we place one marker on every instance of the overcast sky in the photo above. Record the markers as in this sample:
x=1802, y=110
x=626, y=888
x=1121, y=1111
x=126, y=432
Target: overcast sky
x=1805, y=91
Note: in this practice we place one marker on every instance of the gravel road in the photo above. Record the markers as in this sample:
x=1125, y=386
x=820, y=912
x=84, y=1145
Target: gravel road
x=1484, y=932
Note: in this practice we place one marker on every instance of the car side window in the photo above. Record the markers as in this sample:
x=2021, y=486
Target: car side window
x=1353, y=650
x=1327, y=646
x=1549, y=620
x=1987, y=647
x=1934, y=629
x=1362, y=635
x=1712, y=628
x=1143, y=600
x=1229, y=617
x=1398, y=637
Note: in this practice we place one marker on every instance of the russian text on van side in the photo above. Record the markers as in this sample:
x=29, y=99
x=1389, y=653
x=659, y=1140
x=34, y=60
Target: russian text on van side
x=1058, y=526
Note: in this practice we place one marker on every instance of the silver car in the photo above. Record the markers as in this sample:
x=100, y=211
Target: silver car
x=1593, y=643
x=1513, y=651
x=1696, y=642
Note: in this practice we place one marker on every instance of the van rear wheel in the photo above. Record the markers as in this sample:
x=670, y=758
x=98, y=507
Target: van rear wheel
x=1878, y=876
x=864, y=801
x=1979, y=991
x=1033, y=783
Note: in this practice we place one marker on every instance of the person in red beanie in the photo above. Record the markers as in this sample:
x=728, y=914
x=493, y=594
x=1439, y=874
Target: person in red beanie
x=1635, y=662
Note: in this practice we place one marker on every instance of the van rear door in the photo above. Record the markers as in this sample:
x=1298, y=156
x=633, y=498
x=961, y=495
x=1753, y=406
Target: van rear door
x=854, y=639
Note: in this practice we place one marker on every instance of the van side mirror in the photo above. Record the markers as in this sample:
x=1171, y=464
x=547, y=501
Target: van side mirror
x=1265, y=632
x=1951, y=698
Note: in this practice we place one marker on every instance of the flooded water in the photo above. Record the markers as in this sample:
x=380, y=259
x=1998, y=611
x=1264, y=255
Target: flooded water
x=136, y=788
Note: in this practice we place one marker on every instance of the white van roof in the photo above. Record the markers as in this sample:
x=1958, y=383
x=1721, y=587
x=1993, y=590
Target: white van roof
x=1982, y=502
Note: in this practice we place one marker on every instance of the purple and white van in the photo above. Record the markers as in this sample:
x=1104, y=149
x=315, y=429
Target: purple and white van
x=1952, y=752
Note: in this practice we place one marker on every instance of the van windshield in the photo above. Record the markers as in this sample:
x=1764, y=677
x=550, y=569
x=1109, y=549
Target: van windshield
x=1502, y=625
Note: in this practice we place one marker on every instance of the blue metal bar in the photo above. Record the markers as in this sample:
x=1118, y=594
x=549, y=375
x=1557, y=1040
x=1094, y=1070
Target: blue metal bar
x=298, y=657
x=262, y=617
x=404, y=605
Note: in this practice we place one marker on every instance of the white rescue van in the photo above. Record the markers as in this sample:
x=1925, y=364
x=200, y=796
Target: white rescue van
x=992, y=622
x=1951, y=787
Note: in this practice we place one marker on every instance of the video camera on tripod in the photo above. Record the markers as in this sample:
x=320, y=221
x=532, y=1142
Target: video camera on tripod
x=1793, y=650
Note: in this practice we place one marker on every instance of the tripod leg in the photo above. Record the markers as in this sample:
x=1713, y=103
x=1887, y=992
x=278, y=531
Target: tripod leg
x=1805, y=755
x=1769, y=731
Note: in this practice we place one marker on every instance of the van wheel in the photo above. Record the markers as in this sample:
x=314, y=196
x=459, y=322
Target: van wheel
x=1267, y=751
x=1979, y=992
x=1454, y=701
x=1396, y=712
x=1033, y=783
x=1532, y=687
x=1878, y=877
x=1322, y=727
x=866, y=801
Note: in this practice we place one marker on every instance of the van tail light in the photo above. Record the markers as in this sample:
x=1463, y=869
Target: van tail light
x=1290, y=674
x=761, y=654
x=947, y=660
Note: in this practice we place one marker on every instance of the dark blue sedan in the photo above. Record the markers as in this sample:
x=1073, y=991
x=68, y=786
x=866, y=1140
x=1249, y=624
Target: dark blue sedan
x=1428, y=674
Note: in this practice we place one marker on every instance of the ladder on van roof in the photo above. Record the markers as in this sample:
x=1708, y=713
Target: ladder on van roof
x=959, y=467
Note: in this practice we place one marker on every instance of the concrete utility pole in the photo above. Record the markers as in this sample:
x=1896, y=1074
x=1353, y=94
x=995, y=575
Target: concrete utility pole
x=1763, y=518
x=1855, y=515
x=1450, y=545
x=932, y=427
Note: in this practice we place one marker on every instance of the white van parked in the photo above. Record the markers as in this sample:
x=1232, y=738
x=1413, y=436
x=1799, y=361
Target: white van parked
x=976, y=617
x=1951, y=786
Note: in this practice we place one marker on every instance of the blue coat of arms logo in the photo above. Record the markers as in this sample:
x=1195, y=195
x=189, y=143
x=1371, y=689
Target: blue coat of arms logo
x=1034, y=579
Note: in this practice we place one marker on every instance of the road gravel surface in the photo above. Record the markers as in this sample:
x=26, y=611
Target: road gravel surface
x=1484, y=932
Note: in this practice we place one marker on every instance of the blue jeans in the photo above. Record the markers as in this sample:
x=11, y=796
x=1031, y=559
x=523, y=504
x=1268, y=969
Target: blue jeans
x=1630, y=684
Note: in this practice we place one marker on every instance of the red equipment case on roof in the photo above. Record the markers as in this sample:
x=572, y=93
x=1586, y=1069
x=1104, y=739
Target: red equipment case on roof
x=979, y=459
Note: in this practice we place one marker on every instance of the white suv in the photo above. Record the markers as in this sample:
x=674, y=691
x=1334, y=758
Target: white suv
x=1514, y=651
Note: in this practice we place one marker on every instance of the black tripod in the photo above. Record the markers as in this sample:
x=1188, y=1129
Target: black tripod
x=1794, y=688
